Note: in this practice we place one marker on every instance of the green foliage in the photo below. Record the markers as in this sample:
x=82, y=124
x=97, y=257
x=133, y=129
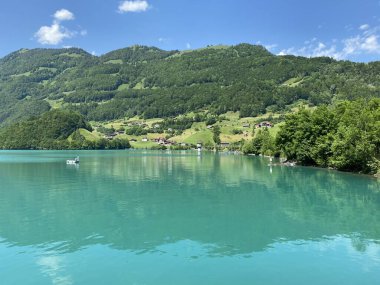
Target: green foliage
x=345, y=136
x=136, y=131
x=106, y=131
x=136, y=54
x=51, y=130
x=158, y=147
x=22, y=110
x=262, y=143
x=164, y=84
x=236, y=146
x=118, y=144
x=237, y=132
x=216, y=134
x=211, y=121
x=179, y=124
x=307, y=135
x=56, y=129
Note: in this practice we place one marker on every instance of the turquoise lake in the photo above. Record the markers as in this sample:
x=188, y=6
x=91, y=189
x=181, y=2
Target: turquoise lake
x=146, y=217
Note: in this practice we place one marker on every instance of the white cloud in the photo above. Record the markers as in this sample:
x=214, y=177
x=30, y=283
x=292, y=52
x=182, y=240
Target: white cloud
x=63, y=15
x=52, y=35
x=371, y=44
x=56, y=33
x=312, y=50
x=188, y=46
x=133, y=6
x=367, y=42
x=364, y=27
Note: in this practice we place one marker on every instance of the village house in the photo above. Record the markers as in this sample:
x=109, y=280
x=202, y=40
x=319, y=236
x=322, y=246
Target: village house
x=144, y=140
x=264, y=124
x=110, y=136
x=163, y=141
x=246, y=125
x=224, y=144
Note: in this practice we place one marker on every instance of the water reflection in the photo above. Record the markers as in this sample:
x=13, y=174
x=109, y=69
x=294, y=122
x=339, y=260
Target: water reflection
x=139, y=202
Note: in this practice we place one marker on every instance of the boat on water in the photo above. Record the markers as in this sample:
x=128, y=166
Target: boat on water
x=73, y=161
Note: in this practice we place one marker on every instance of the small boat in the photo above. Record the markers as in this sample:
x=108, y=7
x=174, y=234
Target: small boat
x=73, y=161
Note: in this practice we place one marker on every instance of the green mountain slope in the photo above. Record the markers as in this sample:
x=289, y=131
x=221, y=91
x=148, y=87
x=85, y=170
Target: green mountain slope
x=55, y=129
x=150, y=82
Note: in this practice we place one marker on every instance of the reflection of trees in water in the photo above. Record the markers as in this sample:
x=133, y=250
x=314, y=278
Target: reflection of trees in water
x=343, y=202
x=359, y=243
x=133, y=202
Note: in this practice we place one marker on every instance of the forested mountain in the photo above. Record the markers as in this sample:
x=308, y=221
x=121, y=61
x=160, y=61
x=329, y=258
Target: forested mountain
x=150, y=82
x=55, y=129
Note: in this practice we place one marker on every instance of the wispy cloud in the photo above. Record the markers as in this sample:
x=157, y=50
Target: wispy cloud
x=364, y=27
x=364, y=42
x=188, y=46
x=133, y=6
x=56, y=32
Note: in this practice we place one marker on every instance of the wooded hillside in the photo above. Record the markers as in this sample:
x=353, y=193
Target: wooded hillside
x=150, y=82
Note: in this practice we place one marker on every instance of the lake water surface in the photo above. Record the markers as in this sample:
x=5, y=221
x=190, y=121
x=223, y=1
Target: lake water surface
x=145, y=217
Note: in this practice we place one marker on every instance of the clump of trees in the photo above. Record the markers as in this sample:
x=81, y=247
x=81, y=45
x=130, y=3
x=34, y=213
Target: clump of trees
x=136, y=131
x=78, y=141
x=263, y=143
x=216, y=134
x=344, y=136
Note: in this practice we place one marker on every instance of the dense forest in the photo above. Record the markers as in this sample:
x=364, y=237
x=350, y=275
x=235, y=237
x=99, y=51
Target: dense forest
x=150, y=82
x=56, y=129
x=344, y=136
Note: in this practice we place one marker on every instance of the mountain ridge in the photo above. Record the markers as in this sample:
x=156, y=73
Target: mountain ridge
x=151, y=82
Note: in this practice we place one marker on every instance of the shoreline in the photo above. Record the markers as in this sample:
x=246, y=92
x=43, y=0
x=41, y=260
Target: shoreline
x=279, y=163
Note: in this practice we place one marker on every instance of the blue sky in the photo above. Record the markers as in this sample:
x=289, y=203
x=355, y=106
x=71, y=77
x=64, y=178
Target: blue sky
x=344, y=29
